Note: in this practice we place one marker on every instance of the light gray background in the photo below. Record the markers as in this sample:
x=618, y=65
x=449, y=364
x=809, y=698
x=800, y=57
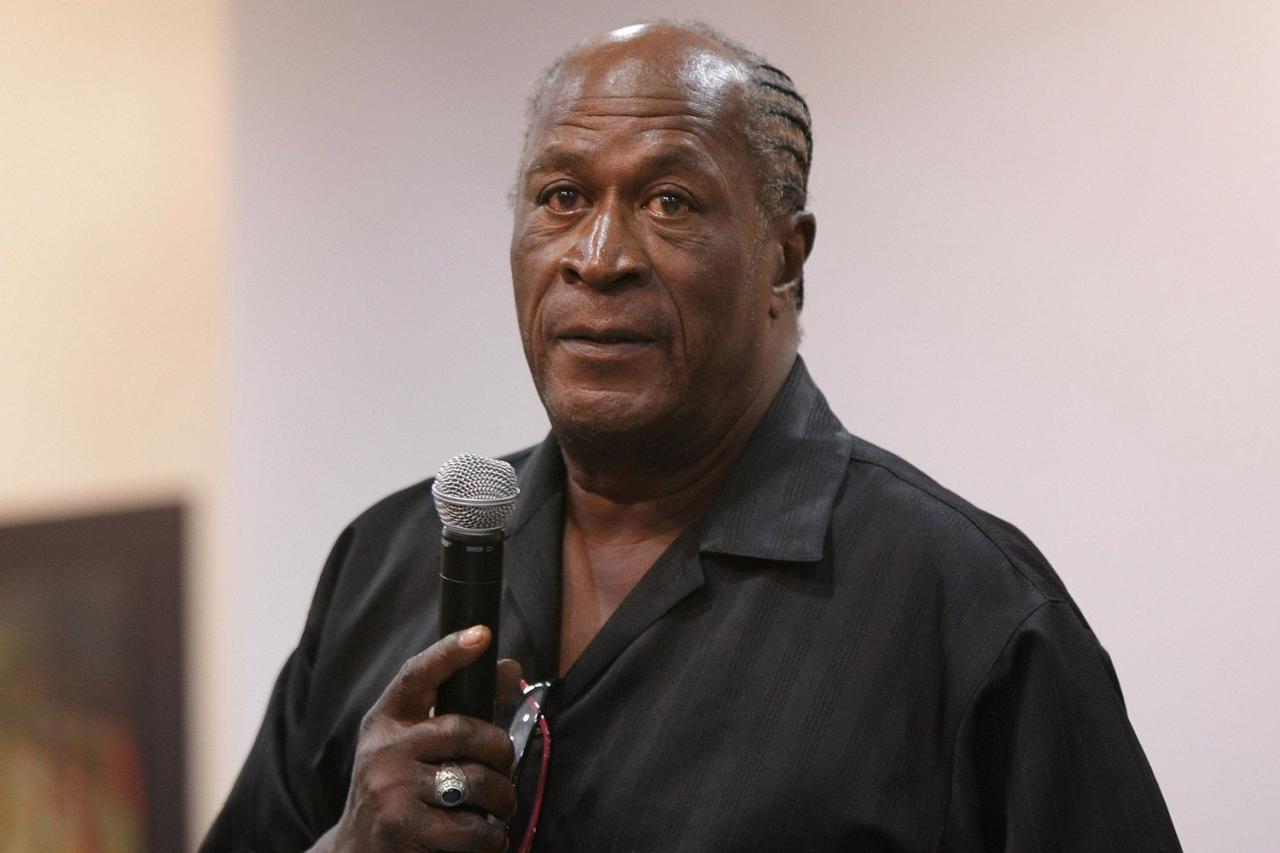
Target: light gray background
x=1046, y=273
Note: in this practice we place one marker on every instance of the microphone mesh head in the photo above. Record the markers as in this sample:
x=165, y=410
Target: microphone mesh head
x=475, y=493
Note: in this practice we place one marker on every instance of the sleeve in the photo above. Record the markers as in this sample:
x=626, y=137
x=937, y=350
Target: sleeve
x=272, y=808
x=1046, y=759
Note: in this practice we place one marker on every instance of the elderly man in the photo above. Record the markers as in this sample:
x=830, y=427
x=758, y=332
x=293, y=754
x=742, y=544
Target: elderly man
x=762, y=633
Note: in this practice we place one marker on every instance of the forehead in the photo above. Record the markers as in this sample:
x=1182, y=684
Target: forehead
x=656, y=80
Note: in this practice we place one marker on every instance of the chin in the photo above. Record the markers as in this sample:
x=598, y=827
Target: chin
x=592, y=416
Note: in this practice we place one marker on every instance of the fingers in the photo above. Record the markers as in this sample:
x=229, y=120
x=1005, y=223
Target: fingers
x=421, y=826
x=463, y=831
x=486, y=788
x=454, y=737
x=391, y=800
x=412, y=692
x=468, y=831
x=509, y=674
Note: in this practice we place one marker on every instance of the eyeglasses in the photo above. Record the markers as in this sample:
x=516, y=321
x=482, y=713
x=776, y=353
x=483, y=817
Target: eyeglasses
x=528, y=720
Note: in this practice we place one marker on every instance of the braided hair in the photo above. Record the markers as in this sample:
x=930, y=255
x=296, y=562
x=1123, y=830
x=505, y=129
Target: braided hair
x=779, y=126
x=779, y=131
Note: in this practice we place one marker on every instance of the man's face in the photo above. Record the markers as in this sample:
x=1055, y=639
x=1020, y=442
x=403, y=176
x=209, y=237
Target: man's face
x=639, y=257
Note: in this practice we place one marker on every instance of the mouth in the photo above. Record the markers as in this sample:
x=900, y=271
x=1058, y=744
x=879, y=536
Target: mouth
x=605, y=342
x=606, y=334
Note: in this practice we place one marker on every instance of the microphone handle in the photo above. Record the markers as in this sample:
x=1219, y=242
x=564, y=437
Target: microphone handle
x=470, y=594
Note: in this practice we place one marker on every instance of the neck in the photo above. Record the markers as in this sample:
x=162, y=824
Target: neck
x=639, y=493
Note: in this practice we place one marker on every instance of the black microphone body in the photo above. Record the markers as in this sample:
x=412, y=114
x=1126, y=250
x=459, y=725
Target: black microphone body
x=470, y=594
x=474, y=496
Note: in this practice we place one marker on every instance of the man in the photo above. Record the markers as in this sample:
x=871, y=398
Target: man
x=765, y=634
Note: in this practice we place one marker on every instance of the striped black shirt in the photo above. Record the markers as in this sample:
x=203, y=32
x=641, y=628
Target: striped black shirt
x=840, y=655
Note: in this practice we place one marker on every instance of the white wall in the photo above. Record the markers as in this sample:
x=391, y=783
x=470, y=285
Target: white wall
x=1046, y=272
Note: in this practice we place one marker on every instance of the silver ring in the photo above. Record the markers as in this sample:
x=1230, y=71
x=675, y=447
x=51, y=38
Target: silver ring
x=451, y=785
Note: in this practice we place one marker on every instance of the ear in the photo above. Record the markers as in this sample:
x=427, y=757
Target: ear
x=795, y=234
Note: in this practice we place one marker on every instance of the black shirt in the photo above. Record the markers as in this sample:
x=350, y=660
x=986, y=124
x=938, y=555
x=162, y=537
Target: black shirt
x=840, y=655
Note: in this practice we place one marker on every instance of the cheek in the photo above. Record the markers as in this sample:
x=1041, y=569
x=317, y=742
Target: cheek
x=533, y=268
x=713, y=295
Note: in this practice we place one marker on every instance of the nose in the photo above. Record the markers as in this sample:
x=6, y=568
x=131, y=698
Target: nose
x=605, y=252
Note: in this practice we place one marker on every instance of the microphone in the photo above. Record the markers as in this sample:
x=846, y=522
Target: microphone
x=474, y=496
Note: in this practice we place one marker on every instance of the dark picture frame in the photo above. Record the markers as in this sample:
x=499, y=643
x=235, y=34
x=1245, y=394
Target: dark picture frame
x=91, y=648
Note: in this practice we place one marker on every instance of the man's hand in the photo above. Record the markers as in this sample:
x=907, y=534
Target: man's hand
x=390, y=805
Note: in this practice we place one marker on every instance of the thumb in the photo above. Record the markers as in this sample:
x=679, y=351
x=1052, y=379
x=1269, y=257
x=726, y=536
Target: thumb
x=412, y=692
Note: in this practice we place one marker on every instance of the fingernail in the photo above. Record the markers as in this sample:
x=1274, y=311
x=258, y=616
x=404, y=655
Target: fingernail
x=472, y=636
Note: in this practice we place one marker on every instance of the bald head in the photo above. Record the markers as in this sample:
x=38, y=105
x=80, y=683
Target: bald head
x=686, y=60
x=721, y=77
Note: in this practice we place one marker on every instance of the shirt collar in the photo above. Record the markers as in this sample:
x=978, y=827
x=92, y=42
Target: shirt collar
x=776, y=503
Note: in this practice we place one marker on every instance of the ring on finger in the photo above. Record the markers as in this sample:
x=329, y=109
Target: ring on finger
x=451, y=785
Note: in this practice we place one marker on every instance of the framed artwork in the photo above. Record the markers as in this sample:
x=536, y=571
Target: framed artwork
x=91, y=686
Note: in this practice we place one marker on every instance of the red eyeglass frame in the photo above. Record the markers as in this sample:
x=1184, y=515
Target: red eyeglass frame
x=532, y=699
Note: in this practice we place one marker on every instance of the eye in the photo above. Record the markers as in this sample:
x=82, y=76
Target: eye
x=668, y=204
x=562, y=199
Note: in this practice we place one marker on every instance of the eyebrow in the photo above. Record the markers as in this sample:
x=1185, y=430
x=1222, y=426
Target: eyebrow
x=671, y=158
x=556, y=159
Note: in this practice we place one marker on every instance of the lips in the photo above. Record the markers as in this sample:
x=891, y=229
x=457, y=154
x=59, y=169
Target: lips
x=605, y=343
x=606, y=335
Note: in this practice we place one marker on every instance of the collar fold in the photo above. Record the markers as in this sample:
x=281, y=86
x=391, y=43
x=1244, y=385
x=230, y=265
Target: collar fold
x=777, y=502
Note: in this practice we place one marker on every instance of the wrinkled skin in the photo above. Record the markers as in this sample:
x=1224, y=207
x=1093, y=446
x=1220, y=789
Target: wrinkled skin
x=400, y=747
x=654, y=300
